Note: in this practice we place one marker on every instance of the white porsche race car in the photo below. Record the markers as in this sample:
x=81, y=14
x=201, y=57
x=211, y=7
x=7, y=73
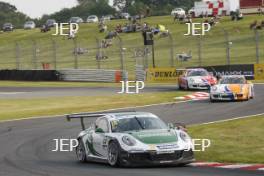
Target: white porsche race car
x=132, y=139
x=197, y=78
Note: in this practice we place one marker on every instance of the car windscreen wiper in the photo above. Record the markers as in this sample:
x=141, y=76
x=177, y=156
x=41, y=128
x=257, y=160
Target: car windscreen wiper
x=139, y=122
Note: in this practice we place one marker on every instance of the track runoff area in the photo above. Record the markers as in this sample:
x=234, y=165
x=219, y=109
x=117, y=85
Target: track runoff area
x=33, y=140
x=45, y=146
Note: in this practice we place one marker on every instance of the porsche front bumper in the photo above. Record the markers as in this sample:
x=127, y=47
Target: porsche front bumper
x=199, y=86
x=227, y=96
x=152, y=158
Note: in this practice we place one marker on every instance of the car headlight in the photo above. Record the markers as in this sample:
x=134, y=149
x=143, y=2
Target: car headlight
x=191, y=80
x=128, y=141
x=214, y=88
x=185, y=137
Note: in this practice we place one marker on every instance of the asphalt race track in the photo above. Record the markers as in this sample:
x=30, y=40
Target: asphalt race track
x=42, y=92
x=26, y=145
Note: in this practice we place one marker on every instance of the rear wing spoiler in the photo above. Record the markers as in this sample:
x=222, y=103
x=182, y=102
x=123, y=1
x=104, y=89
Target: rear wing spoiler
x=83, y=116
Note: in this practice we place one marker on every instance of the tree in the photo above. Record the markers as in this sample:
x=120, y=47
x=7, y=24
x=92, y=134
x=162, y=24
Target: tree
x=157, y=7
x=9, y=13
x=83, y=10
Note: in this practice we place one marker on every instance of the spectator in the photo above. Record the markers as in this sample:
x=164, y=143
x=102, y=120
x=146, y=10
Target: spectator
x=118, y=28
x=189, y=19
x=111, y=35
x=260, y=10
x=72, y=33
x=145, y=27
x=44, y=28
x=176, y=17
x=102, y=28
x=253, y=25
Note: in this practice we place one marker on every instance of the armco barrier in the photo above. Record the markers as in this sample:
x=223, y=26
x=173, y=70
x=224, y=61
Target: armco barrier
x=140, y=73
x=92, y=75
x=29, y=75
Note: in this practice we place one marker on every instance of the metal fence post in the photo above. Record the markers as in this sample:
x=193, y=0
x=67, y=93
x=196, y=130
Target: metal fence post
x=75, y=54
x=17, y=56
x=171, y=50
x=199, y=43
x=122, y=67
x=257, y=45
x=34, y=55
x=99, y=53
x=145, y=59
x=54, y=48
x=121, y=52
x=227, y=47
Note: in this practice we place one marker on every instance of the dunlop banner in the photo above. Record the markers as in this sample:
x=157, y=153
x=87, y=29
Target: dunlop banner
x=259, y=71
x=164, y=74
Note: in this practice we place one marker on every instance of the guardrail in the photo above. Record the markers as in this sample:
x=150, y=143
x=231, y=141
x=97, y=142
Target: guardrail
x=92, y=75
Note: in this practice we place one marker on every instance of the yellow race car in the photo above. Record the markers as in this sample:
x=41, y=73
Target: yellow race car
x=229, y=88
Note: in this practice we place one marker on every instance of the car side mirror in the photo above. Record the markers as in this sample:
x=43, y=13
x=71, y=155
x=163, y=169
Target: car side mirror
x=99, y=130
x=171, y=126
x=180, y=126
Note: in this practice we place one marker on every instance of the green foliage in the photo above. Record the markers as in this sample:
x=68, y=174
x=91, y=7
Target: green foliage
x=8, y=13
x=157, y=7
x=83, y=10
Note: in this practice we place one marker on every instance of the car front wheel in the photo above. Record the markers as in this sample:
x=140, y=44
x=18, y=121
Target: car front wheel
x=113, y=154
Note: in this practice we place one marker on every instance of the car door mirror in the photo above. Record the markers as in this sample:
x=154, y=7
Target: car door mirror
x=171, y=126
x=99, y=130
x=180, y=126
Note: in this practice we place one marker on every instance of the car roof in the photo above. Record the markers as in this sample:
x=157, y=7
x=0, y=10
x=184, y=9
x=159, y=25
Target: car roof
x=124, y=115
x=177, y=9
x=196, y=69
x=75, y=17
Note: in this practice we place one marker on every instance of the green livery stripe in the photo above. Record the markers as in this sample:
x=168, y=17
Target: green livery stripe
x=155, y=137
x=92, y=150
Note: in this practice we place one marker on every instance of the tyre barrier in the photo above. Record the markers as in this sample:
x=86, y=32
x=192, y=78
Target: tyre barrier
x=29, y=75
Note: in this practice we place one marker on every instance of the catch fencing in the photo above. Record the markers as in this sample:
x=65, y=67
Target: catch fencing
x=218, y=47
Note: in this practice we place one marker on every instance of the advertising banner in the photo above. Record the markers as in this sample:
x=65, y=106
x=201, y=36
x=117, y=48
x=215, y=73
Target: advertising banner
x=164, y=74
x=259, y=71
x=240, y=69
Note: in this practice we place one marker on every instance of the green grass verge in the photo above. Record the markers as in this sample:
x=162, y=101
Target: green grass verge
x=55, y=84
x=258, y=81
x=23, y=108
x=238, y=141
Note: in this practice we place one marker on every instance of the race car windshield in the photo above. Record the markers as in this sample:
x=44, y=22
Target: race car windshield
x=198, y=73
x=232, y=81
x=136, y=124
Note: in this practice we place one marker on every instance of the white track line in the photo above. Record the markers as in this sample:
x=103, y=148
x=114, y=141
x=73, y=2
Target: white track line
x=234, y=166
x=236, y=118
x=11, y=93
